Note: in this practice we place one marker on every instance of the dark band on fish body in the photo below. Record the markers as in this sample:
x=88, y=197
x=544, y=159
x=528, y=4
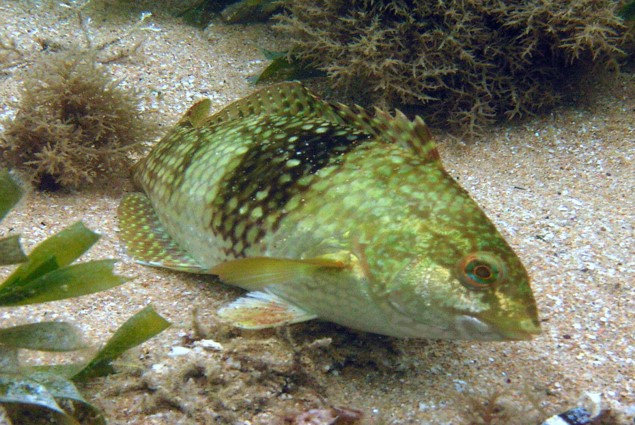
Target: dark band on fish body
x=268, y=174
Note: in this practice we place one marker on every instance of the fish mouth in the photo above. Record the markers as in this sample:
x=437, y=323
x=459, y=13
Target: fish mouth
x=475, y=328
x=525, y=332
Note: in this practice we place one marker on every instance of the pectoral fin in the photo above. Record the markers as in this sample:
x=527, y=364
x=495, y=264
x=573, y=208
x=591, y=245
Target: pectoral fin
x=147, y=240
x=256, y=273
x=259, y=310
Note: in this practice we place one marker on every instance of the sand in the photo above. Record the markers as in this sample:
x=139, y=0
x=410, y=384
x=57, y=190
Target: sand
x=559, y=187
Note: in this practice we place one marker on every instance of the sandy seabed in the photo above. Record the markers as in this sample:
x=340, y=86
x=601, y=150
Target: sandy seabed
x=559, y=187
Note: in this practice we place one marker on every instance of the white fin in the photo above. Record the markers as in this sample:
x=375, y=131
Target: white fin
x=260, y=310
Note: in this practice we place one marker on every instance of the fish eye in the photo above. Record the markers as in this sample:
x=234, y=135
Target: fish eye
x=481, y=270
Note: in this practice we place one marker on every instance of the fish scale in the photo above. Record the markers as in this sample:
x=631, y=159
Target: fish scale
x=277, y=168
x=321, y=210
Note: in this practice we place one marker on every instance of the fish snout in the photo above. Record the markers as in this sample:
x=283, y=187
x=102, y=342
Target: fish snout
x=474, y=328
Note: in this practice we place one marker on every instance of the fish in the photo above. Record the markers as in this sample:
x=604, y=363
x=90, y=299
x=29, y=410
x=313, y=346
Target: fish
x=323, y=210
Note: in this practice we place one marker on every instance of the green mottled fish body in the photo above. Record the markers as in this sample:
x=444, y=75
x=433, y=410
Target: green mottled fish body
x=321, y=210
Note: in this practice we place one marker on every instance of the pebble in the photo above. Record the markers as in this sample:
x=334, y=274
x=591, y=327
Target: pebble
x=210, y=344
x=179, y=351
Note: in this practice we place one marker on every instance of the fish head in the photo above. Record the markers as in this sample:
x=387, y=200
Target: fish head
x=465, y=289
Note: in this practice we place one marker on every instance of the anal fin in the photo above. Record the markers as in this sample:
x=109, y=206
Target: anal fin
x=260, y=310
x=147, y=240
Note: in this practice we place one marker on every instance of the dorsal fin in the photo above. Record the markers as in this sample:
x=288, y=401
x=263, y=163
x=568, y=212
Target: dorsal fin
x=197, y=114
x=413, y=135
x=293, y=99
x=289, y=99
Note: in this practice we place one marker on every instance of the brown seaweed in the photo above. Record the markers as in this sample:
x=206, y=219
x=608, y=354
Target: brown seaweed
x=470, y=63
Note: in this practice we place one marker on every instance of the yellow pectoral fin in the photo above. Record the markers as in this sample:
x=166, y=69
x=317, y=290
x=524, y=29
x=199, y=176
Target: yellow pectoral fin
x=257, y=273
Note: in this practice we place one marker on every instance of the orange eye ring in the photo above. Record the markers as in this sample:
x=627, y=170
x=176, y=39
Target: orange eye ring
x=480, y=270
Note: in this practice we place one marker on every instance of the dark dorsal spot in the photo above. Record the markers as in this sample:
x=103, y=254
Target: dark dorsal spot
x=285, y=152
